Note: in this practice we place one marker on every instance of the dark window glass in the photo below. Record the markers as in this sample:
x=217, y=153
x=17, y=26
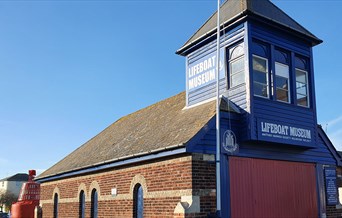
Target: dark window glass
x=138, y=201
x=55, y=206
x=82, y=204
x=94, y=204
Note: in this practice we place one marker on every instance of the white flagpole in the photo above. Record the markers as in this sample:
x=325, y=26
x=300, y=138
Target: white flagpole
x=218, y=147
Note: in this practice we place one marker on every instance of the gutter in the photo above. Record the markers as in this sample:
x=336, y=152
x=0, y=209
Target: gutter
x=130, y=159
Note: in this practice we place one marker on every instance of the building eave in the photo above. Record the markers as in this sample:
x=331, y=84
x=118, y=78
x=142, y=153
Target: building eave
x=145, y=156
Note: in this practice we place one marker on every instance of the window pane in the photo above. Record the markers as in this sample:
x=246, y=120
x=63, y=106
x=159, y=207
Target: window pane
x=55, y=206
x=140, y=209
x=282, y=70
x=301, y=88
x=238, y=79
x=260, y=89
x=301, y=76
x=237, y=71
x=237, y=66
x=138, y=201
x=259, y=64
x=94, y=204
x=302, y=100
x=282, y=95
x=282, y=82
x=260, y=77
x=82, y=204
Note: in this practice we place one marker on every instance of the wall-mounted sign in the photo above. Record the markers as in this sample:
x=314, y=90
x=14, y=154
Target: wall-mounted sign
x=330, y=186
x=229, y=142
x=275, y=131
x=202, y=72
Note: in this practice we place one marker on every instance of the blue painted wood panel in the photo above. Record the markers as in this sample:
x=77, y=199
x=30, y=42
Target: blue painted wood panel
x=270, y=109
x=279, y=39
x=322, y=152
x=209, y=91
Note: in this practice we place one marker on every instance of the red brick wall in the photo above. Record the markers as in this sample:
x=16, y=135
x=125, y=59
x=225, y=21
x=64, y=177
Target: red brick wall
x=164, y=182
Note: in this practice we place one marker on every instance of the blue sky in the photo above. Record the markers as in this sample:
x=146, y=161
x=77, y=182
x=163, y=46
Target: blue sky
x=68, y=69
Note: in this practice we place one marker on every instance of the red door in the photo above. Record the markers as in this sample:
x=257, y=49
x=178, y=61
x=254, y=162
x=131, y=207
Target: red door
x=268, y=188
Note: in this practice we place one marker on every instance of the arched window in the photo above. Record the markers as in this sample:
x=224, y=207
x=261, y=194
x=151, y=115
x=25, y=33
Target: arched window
x=94, y=203
x=236, y=65
x=55, y=206
x=138, y=203
x=82, y=204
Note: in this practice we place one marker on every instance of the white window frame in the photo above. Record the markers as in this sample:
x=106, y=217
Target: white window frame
x=267, y=79
x=307, y=87
x=288, y=81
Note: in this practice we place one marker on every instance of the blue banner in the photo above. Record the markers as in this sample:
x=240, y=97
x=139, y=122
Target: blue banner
x=275, y=131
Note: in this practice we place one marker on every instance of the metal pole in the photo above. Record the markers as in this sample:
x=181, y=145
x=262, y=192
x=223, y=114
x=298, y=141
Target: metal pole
x=218, y=150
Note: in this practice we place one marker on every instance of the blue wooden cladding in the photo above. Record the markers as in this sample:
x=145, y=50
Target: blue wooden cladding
x=206, y=90
x=204, y=142
x=292, y=112
x=283, y=99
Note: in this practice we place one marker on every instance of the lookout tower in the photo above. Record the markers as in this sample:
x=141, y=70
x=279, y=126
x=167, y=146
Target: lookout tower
x=266, y=70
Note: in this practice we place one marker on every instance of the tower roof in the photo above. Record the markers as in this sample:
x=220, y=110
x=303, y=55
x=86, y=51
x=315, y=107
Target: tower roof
x=232, y=10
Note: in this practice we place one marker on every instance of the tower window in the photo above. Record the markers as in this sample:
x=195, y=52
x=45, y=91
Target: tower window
x=282, y=82
x=302, y=87
x=260, y=76
x=302, y=84
x=236, y=65
x=282, y=76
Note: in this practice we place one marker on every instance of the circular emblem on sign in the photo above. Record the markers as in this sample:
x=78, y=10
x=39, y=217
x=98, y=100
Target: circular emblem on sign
x=229, y=141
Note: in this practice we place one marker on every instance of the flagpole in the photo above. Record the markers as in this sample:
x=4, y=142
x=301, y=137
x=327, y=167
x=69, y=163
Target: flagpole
x=218, y=147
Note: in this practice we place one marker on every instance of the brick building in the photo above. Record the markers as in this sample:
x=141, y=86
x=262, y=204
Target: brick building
x=160, y=161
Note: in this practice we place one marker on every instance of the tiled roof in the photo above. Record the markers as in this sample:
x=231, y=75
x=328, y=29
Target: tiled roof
x=158, y=127
x=233, y=9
